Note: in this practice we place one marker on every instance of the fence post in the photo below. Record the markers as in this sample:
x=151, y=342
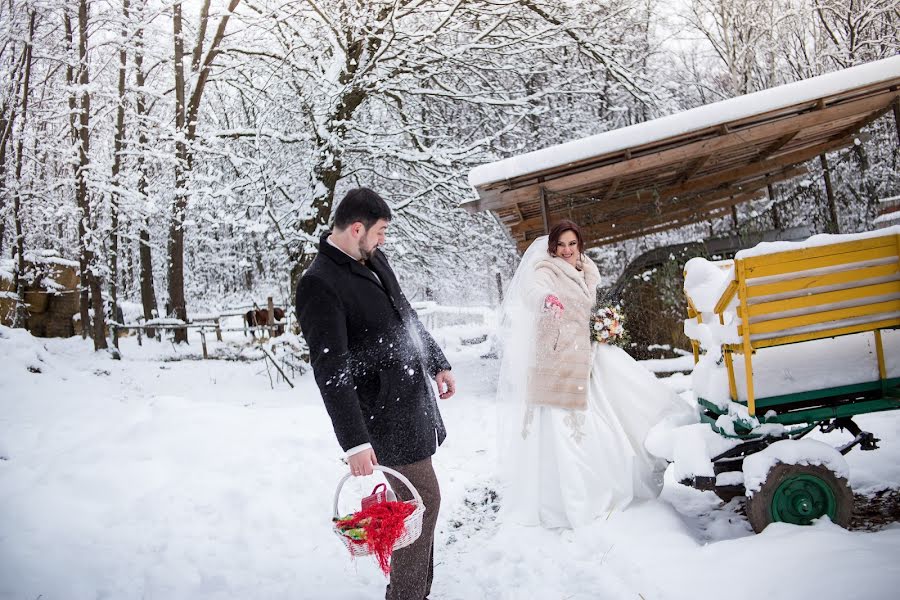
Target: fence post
x=139, y=329
x=271, y=307
x=203, y=341
x=218, y=330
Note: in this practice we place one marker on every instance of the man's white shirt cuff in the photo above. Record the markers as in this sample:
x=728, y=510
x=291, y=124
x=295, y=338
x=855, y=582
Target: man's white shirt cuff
x=357, y=449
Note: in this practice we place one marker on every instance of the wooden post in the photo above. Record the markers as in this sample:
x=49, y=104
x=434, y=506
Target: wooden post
x=734, y=217
x=897, y=119
x=271, y=308
x=744, y=314
x=829, y=191
x=218, y=330
x=202, y=341
x=879, y=353
x=776, y=220
x=139, y=330
x=545, y=210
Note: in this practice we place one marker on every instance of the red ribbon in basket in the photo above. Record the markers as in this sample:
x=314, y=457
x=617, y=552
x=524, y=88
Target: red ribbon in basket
x=383, y=523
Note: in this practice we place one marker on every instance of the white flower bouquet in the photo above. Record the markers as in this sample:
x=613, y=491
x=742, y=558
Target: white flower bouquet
x=607, y=325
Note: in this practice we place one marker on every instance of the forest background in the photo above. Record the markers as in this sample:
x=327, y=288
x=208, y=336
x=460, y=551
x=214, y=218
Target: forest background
x=188, y=154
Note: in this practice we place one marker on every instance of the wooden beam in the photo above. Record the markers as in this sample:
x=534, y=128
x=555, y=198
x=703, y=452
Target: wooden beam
x=688, y=212
x=755, y=169
x=623, y=207
x=726, y=192
x=776, y=218
x=867, y=120
x=666, y=226
x=545, y=211
x=749, y=169
x=696, y=215
x=694, y=211
x=834, y=225
x=611, y=189
x=776, y=145
x=692, y=168
x=896, y=107
x=496, y=197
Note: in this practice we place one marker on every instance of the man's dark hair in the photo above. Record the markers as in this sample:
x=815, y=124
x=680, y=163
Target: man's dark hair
x=361, y=205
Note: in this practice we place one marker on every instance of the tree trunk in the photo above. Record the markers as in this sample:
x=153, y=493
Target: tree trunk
x=8, y=113
x=148, y=293
x=329, y=168
x=176, y=227
x=81, y=192
x=7, y=117
x=4, y=126
x=118, y=149
x=21, y=313
x=84, y=298
x=186, y=115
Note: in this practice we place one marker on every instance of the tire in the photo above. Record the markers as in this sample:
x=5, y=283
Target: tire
x=798, y=494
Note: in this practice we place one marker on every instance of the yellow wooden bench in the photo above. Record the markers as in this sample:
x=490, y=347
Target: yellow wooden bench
x=816, y=292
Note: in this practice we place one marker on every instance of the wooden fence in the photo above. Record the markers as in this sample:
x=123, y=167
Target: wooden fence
x=209, y=323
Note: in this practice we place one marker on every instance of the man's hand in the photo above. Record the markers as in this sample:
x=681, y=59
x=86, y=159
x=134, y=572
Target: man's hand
x=362, y=462
x=445, y=383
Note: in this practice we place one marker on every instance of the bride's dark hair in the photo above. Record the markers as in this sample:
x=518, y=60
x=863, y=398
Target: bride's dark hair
x=559, y=229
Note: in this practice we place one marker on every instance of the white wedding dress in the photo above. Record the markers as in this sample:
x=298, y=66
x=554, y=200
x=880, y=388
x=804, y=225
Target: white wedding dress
x=567, y=468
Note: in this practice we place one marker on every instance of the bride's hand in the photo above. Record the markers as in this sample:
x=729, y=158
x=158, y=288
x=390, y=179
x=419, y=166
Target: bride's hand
x=553, y=305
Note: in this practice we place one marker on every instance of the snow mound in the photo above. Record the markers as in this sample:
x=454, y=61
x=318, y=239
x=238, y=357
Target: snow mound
x=791, y=452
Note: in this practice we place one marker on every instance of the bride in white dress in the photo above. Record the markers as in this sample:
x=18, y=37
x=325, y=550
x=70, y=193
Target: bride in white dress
x=573, y=414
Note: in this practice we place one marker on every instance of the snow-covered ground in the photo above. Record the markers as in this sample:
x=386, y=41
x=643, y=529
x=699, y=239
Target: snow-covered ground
x=151, y=478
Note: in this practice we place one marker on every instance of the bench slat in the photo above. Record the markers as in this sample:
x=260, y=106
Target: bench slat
x=780, y=267
x=817, y=281
x=835, y=332
x=813, y=302
x=776, y=325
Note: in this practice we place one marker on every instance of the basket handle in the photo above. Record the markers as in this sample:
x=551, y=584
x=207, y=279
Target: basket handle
x=400, y=476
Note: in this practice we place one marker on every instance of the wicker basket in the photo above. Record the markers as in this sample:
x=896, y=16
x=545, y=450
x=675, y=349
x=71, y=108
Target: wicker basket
x=413, y=521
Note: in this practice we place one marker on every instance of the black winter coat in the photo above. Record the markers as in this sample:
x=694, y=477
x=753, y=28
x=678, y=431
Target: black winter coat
x=372, y=359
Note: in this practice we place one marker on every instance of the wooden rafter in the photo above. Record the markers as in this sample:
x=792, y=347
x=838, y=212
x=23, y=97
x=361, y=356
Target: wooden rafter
x=693, y=209
x=776, y=145
x=867, y=120
x=613, y=186
x=681, y=218
x=734, y=177
x=694, y=166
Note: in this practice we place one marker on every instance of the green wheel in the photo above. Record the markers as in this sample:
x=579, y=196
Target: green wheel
x=799, y=494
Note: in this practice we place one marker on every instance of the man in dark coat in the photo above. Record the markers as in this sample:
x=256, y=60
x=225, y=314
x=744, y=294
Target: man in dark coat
x=373, y=361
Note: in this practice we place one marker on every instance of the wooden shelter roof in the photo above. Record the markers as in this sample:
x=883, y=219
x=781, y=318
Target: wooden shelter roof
x=688, y=167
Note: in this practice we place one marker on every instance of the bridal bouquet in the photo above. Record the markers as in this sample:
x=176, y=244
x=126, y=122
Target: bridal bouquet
x=607, y=325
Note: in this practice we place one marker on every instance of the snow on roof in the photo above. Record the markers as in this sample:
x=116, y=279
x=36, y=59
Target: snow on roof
x=688, y=121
